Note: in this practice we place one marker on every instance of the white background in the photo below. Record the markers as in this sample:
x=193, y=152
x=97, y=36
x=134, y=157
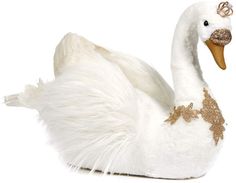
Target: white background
x=29, y=33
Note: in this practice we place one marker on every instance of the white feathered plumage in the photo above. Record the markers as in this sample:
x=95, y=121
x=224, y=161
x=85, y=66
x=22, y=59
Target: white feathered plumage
x=106, y=110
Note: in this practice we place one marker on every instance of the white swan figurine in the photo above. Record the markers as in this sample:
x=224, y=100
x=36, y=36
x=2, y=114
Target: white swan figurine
x=113, y=113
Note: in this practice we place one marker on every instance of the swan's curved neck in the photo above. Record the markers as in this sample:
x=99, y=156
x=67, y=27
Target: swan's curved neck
x=187, y=75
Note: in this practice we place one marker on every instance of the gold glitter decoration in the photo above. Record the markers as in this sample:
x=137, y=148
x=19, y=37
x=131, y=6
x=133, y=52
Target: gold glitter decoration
x=221, y=37
x=186, y=112
x=210, y=112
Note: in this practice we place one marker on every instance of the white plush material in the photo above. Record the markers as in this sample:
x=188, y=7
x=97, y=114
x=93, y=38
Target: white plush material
x=106, y=110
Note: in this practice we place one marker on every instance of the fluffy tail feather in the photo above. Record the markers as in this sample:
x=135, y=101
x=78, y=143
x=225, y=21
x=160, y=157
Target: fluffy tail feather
x=29, y=98
x=12, y=100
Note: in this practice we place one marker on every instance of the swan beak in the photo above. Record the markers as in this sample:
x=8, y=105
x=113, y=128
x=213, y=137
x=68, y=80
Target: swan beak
x=219, y=38
x=218, y=53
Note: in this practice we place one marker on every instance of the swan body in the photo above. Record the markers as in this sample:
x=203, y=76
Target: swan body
x=109, y=111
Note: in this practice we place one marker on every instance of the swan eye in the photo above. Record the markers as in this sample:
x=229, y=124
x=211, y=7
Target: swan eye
x=206, y=23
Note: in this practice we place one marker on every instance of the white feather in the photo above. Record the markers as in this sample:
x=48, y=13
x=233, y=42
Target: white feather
x=74, y=48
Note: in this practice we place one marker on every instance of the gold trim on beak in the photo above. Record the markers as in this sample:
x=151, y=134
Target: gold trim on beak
x=219, y=38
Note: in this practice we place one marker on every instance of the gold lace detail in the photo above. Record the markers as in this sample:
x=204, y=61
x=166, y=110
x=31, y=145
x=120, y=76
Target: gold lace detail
x=210, y=112
x=186, y=112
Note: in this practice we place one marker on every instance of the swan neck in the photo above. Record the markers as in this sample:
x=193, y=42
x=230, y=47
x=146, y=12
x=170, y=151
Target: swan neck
x=186, y=71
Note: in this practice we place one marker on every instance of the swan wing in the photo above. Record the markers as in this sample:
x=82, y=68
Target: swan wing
x=141, y=75
x=74, y=48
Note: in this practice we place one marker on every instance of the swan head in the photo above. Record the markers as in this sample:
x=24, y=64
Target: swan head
x=214, y=29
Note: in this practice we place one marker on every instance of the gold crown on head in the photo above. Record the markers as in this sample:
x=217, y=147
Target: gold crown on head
x=225, y=9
